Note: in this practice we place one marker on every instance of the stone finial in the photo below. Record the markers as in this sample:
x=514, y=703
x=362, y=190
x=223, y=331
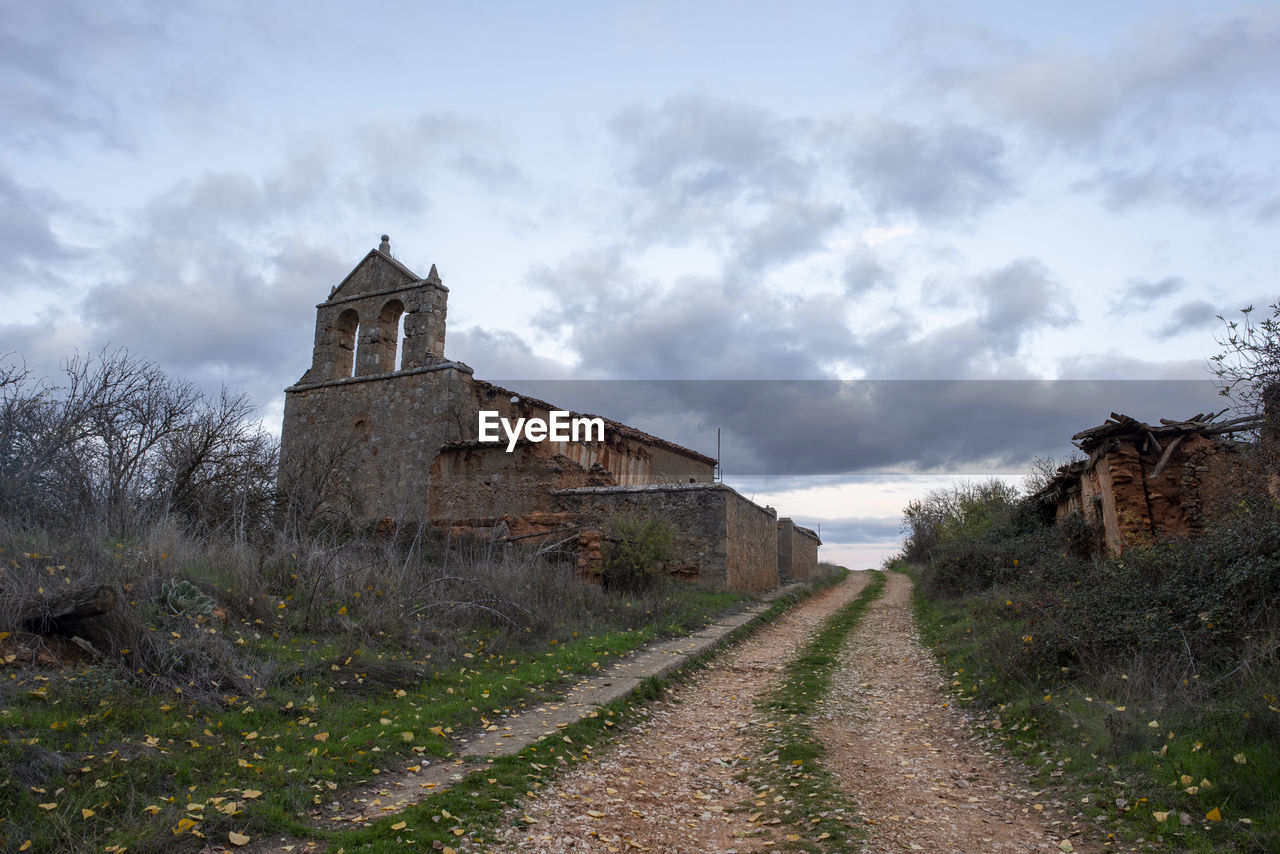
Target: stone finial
x=433, y=276
x=385, y=246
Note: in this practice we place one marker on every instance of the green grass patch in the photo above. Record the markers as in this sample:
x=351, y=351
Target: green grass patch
x=477, y=804
x=91, y=760
x=1135, y=763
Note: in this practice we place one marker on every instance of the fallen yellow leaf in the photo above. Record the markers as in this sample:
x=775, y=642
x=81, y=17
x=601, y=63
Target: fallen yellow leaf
x=1239, y=759
x=237, y=838
x=183, y=825
x=87, y=813
x=1213, y=815
x=595, y=813
x=1161, y=816
x=49, y=806
x=321, y=736
x=250, y=794
x=399, y=825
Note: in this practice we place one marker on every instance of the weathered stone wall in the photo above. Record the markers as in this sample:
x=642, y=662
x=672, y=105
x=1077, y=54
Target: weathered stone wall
x=379, y=434
x=483, y=482
x=722, y=540
x=632, y=457
x=786, y=556
x=361, y=320
x=804, y=558
x=1214, y=480
x=752, y=561
x=378, y=430
x=695, y=512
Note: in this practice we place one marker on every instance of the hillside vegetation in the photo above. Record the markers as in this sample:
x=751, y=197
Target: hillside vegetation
x=1149, y=680
x=261, y=656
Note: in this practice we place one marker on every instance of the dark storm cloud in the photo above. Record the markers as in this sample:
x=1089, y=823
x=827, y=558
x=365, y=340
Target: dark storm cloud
x=695, y=148
x=694, y=161
x=1173, y=66
x=1193, y=315
x=498, y=353
x=792, y=228
x=784, y=428
x=626, y=324
x=44, y=48
x=1139, y=293
x=1020, y=298
x=1008, y=305
x=87, y=72
x=222, y=308
x=216, y=279
x=862, y=530
x=1204, y=187
x=934, y=174
x=864, y=272
x=27, y=241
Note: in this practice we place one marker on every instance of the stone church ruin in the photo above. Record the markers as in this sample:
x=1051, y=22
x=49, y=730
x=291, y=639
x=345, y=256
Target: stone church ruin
x=383, y=428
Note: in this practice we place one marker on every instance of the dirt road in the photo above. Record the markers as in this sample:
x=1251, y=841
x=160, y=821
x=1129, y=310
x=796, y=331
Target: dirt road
x=669, y=784
x=912, y=762
x=922, y=779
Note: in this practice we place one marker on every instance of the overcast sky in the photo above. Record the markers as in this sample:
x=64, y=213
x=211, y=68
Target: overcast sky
x=662, y=191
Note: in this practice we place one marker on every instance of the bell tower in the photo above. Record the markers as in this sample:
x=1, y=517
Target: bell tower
x=359, y=327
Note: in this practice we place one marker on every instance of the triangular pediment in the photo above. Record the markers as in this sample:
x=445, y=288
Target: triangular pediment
x=376, y=272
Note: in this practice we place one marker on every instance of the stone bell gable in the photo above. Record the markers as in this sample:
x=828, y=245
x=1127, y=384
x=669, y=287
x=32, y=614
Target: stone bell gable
x=359, y=325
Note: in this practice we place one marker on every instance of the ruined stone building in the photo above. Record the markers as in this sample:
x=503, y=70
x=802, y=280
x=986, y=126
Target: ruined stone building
x=1140, y=480
x=384, y=414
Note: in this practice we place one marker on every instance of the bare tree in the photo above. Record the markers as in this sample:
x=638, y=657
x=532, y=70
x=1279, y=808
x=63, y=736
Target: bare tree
x=219, y=469
x=1249, y=363
x=120, y=443
x=314, y=487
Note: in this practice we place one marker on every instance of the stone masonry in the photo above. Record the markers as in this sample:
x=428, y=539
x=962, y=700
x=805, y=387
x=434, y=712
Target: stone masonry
x=383, y=427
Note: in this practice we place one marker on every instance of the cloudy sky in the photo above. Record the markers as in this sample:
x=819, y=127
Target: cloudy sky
x=737, y=191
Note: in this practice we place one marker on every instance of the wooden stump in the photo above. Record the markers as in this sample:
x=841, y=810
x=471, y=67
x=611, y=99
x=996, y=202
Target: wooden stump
x=62, y=614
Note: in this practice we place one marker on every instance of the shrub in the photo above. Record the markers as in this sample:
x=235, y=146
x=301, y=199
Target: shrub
x=635, y=554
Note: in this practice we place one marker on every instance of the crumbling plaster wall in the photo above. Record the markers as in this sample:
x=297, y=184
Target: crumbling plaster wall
x=1200, y=478
x=483, y=482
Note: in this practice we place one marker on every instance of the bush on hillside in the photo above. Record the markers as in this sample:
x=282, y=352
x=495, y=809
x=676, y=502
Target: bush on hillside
x=635, y=554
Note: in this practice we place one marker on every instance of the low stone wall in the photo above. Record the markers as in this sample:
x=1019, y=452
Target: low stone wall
x=753, y=545
x=804, y=560
x=722, y=540
x=786, y=533
x=797, y=552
